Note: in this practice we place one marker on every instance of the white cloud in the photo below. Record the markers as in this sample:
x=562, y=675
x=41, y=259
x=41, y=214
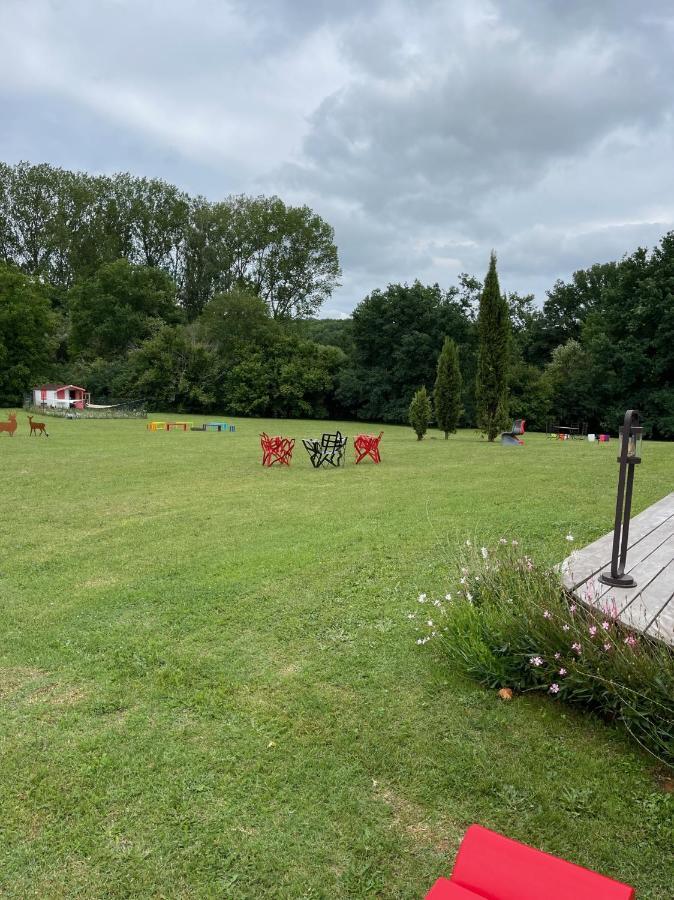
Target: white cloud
x=426, y=133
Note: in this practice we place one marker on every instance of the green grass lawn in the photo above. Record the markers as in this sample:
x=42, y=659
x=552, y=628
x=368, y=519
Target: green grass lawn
x=209, y=687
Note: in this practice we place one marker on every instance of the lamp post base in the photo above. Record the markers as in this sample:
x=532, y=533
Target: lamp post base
x=624, y=581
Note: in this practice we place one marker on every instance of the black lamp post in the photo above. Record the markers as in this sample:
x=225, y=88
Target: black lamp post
x=630, y=456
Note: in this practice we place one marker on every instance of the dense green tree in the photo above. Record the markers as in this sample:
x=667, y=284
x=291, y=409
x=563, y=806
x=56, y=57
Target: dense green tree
x=629, y=336
x=236, y=320
x=27, y=334
x=447, y=393
x=110, y=255
x=63, y=226
x=284, y=254
x=565, y=310
x=291, y=378
x=333, y=332
x=171, y=370
x=493, y=326
x=118, y=307
x=420, y=412
x=529, y=393
x=397, y=335
x=567, y=383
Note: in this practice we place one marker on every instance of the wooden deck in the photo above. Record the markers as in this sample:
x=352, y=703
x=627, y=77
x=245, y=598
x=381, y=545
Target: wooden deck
x=648, y=607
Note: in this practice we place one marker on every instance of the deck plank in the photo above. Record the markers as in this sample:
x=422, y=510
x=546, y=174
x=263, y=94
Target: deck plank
x=648, y=607
x=594, y=558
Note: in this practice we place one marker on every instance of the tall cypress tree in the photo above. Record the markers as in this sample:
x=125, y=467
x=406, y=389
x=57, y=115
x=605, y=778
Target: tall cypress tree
x=447, y=394
x=420, y=412
x=493, y=329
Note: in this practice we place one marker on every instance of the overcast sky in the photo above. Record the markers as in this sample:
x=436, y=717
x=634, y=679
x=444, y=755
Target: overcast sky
x=425, y=133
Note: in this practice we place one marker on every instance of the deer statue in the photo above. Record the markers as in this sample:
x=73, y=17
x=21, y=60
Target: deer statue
x=9, y=427
x=36, y=427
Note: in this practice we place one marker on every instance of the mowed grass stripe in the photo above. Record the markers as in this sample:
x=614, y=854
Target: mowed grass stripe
x=209, y=688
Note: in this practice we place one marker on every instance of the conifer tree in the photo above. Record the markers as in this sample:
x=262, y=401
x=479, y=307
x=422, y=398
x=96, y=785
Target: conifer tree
x=420, y=412
x=447, y=394
x=493, y=329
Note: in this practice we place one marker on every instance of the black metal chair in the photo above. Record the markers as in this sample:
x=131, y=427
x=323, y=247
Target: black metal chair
x=328, y=451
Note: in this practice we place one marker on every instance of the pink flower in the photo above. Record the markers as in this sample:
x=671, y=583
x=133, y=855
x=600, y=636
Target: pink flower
x=577, y=647
x=573, y=608
x=547, y=614
x=606, y=625
x=536, y=661
x=611, y=608
x=554, y=688
x=558, y=655
x=607, y=647
x=630, y=640
x=593, y=630
x=565, y=627
x=562, y=671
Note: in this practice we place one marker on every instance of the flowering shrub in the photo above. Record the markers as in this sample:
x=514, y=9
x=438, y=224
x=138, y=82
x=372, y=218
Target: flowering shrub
x=510, y=624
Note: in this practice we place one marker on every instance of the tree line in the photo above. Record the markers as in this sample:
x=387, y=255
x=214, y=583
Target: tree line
x=133, y=289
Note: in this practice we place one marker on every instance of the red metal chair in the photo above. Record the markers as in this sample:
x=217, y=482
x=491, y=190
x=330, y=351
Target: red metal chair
x=367, y=445
x=276, y=450
x=492, y=867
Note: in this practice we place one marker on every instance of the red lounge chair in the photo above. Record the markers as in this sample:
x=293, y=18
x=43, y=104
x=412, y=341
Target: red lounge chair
x=367, y=445
x=276, y=449
x=492, y=867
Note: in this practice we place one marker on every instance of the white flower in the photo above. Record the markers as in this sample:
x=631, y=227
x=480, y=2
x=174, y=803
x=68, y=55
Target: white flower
x=430, y=623
x=503, y=540
x=484, y=552
x=463, y=580
x=411, y=616
x=437, y=603
x=448, y=596
x=467, y=543
x=569, y=537
x=422, y=598
x=469, y=597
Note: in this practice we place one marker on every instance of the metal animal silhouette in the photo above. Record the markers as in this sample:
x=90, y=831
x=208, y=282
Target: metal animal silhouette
x=9, y=427
x=36, y=427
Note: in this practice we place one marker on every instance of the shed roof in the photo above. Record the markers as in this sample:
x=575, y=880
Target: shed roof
x=58, y=387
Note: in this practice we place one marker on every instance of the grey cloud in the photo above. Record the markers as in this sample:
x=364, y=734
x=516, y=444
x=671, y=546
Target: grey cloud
x=425, y=132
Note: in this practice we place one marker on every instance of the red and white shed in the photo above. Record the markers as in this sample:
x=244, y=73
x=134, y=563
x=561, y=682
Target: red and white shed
x=64, y=396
